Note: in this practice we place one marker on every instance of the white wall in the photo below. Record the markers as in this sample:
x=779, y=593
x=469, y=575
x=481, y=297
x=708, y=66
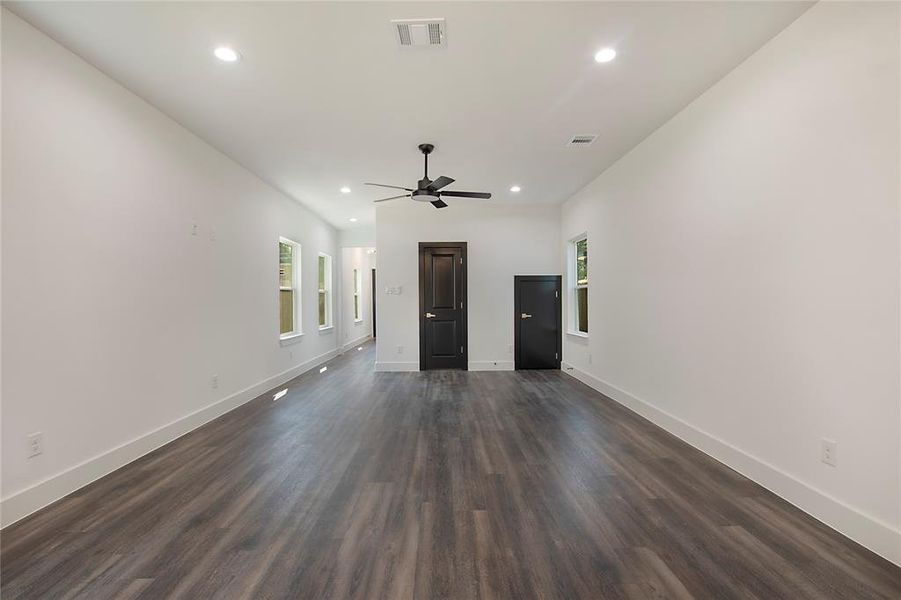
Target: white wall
x=116, y=317
x=353, y=331
x=744, y=268
x=503, y=241
x=358, y=236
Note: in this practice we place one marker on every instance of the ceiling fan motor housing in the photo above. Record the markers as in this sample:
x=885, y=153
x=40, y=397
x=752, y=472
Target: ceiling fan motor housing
x=422, y=195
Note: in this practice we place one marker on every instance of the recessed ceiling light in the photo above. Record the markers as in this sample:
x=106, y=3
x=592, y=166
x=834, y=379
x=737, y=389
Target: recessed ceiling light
x=345, y=190
x=353, y=219
x=515, y=189
x=605, y=55
x=226, y=54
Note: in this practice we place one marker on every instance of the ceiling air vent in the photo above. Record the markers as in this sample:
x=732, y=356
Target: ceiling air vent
x=581, y=141
x=419, y=32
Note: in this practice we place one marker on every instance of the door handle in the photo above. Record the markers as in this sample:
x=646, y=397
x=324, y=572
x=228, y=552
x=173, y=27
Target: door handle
x=429, y=316
x=526, y=316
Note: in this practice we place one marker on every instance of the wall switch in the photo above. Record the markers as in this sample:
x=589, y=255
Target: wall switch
x=194, y=228
x=400, y=349
x=214, y=382
x=35, y=444
x=829, y=452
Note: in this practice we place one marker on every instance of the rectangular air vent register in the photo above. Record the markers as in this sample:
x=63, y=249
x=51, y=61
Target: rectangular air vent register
x=581, y=141
x=410, y=33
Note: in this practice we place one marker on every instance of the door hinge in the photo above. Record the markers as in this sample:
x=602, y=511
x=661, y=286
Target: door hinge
x=556, y=357
x=461, y=260
x=461, y=305
x=556, y=294
x=461, y=349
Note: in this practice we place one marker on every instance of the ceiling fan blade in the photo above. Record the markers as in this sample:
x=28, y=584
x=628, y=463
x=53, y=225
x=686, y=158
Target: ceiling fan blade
x=484, y=195
x=440, y=183
x=393, y=198
x=439, y=203
x=396, y=187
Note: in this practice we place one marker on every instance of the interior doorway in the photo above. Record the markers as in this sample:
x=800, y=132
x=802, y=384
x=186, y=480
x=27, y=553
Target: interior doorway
x=442, y=305
x=538, y=321
x=374, y=288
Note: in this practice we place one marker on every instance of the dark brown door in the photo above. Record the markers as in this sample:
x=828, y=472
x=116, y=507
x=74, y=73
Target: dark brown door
x=442, y=305
x=537, y=321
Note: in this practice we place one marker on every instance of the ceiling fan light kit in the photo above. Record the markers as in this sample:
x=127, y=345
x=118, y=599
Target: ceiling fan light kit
x=428, y=190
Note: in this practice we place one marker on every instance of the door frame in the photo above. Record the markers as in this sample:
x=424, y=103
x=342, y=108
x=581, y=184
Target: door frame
x=557, y=279
x=463, y=295
x=374, y=294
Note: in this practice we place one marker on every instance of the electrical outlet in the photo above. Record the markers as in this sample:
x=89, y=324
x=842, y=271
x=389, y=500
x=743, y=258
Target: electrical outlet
x=214, y=382
x=589, y=358
x=35, y=444
x=291, y=354
x=400, y=349
x=194, y=228
x=829, y=452
x=212, y=234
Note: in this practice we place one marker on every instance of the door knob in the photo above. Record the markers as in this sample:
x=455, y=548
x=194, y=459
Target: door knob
x=429, y=316
x=526, y=316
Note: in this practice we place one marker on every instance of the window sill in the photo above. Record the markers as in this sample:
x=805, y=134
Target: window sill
x=289, y=338
x=357, y=321
x=326, y=329
x=577, y=334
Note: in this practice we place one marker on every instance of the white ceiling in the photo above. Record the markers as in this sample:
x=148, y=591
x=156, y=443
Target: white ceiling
x=323, y=96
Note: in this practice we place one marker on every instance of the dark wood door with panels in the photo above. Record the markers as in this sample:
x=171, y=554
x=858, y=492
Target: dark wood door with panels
x=442, y=305
x=538, y=321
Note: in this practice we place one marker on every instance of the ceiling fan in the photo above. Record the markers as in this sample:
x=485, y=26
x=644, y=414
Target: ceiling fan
x=428, y=190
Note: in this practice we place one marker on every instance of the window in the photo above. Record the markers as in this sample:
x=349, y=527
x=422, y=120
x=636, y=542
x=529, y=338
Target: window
x=325, y=291
x=580, y=277
x=288, y=282
x=358, y=285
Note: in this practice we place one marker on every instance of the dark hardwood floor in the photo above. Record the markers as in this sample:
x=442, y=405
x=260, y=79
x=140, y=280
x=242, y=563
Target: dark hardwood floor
x=427, y=486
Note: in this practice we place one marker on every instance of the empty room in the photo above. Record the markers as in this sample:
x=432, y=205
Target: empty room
x=450, y=300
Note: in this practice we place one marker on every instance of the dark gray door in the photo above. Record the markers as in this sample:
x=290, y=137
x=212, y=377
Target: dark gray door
x=442, y=303
x=537, y=321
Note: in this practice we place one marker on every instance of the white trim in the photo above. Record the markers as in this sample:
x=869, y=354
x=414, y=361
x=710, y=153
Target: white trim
x=327, y=280
x=355, y=343
x=571, y=310
x=25, y=502
x=296, y=275
x=396, y=366
x=875, y=534
x=289, y=338
x=491, y=365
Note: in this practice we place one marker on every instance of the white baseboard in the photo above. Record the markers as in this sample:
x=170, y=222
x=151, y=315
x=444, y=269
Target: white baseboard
x=870, y=532
x=491, y=365
x=388, y=367
x=355, y=343
x=22, y=503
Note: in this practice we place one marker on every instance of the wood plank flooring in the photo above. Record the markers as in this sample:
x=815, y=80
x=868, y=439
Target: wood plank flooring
x=495, y=485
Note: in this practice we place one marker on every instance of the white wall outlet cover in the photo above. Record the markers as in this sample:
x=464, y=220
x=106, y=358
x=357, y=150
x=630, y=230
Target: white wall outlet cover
x=829, y=452
x=35, y=444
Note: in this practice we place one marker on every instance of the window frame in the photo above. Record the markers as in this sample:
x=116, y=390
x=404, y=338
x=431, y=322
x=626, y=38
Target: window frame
x=327, y=291
x=296, y=255
x=358, y=295
x=574, y=286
